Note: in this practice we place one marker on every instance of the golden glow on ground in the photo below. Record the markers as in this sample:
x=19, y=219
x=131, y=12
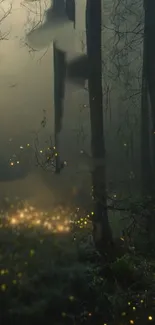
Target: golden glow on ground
x=59, y=220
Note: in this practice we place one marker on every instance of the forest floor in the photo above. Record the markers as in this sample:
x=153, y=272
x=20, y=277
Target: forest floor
x=58, y=278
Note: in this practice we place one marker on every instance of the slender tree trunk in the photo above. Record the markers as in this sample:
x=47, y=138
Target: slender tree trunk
x=149, y=37
x=101, y=228
x=59, y=7
x=145, y=132
x=59, y=92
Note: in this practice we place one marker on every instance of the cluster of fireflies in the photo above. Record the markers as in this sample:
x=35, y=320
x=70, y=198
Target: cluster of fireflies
x=133, y=309
x=14, y=159
x=45, y=156
x=22, y=216
x=60, y=219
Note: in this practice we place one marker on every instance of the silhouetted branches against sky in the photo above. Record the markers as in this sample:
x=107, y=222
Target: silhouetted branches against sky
x=122, y=27
x=35, y=13
x=125, y=23
x=4, y=13
x=127, y=50
x=35, y=16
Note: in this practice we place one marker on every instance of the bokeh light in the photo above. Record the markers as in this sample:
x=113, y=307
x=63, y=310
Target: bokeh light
x=22, y=215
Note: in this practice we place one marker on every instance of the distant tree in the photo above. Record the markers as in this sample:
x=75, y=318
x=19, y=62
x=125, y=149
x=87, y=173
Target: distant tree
x=131, y=61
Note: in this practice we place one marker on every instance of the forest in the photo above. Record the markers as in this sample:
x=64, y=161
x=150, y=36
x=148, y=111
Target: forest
x=92, y=261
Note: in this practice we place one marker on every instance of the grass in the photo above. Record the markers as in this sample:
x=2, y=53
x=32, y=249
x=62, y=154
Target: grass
x=50, y=278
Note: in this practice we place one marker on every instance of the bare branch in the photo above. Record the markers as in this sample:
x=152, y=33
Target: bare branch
x=3, y=15
x=6, y=13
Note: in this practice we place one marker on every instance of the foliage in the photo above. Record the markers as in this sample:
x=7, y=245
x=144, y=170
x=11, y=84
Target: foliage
x=140, y=225
x=46, y=277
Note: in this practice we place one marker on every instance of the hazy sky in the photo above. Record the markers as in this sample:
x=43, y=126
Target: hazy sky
x=26, y=89
x=23, y=103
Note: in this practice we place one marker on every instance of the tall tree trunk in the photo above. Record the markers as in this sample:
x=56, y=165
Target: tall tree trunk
x=101, y=228
x=149, y=37
x=70, y=10
x=59, y=92
x=145, y=132
x=58, y=6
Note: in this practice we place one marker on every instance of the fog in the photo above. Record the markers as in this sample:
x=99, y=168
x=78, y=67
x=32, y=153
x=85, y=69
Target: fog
x=27, y=89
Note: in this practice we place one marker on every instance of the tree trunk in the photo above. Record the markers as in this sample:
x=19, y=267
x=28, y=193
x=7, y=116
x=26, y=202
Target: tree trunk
x=101, y=228
x=70, y=10
x=58, y=6
x=145, y=132
x=149, y=38
x=59, y=92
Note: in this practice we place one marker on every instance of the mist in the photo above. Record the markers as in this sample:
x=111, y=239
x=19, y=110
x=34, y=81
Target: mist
x=76, y=162
x=27, y=90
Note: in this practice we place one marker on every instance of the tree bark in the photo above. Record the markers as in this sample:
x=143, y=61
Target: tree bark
x=149, y=41
x=101, y=229
x=59, y=93
x=146, y=167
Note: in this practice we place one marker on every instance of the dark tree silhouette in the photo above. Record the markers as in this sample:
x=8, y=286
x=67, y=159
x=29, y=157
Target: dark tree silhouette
x=59, y=77
x=101, y=228
x=59, y=92
x=149, y=58
x=147, y=180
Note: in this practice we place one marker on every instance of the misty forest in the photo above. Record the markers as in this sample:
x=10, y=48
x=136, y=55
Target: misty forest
x=77, y=162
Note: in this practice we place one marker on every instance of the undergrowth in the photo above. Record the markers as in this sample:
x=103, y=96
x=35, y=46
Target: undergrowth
x=60, y=278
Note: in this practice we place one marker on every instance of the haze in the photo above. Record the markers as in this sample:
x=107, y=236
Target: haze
x=26, y=90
